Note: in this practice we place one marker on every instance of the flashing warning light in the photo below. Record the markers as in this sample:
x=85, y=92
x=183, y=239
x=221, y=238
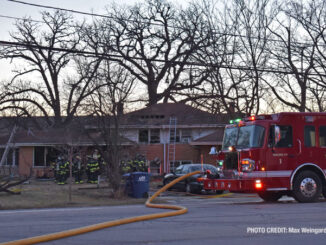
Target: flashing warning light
x=262, y=169
x=235, y=120
x=252, y=118
x=220, y=163
x=258, y=184
x=241, y=123
x=231, y=148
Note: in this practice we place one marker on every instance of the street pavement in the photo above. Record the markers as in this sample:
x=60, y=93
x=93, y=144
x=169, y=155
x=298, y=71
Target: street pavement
x=227, y=219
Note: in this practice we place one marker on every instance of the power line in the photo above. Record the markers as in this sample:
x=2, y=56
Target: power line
x=17, y=18
x=155, y=24
x=62, y=9
x=117, y=58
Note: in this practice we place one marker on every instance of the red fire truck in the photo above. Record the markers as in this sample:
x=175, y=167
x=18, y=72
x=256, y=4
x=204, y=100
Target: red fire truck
x=274, y=155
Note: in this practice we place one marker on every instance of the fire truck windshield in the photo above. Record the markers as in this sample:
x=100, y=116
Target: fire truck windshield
x=244, y=137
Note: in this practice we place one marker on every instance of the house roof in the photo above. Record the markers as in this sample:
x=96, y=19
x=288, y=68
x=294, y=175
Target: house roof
x=215, y=138
x=160, y=114
x=58, y=136
x=156, y=116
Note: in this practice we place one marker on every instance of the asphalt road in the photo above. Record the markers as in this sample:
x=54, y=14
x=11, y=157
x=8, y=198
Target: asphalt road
x=232, y=219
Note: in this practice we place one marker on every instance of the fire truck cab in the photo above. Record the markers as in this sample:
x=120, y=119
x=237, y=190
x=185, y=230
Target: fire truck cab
x=274, y=155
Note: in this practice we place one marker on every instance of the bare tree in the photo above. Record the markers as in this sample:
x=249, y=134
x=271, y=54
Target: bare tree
x=236, y=55
x=45, y=50
x=311, y=17
x=106, y=105
x=155, y=42
x=293, y=53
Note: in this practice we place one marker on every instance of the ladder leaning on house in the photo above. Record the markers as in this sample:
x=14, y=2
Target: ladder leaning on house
x=8, y=146
x=172, y=141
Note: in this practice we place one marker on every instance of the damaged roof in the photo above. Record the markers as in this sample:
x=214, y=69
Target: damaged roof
x=160, y=114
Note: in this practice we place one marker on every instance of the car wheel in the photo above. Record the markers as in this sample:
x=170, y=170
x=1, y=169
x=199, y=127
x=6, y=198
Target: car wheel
x=165, y=182
x=307, y=187
x=270, y=196
x=188, y=188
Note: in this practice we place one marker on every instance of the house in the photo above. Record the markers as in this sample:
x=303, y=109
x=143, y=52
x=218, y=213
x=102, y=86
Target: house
x=167, y=135
x=174, y=134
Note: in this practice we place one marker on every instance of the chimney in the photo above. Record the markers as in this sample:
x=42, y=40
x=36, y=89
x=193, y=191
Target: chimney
x=232, y=107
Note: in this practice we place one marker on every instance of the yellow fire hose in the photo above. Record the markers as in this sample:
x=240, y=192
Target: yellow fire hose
x=59, y=235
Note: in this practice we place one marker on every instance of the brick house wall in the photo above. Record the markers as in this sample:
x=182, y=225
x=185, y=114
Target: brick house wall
x=25, y=160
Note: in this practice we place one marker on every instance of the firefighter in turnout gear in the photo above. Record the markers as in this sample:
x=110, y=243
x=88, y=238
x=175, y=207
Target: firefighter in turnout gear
x=63, y=170
x=136, y=165
x=139, y=164
x=93, y=167
x=55, y=169
x=77, y=169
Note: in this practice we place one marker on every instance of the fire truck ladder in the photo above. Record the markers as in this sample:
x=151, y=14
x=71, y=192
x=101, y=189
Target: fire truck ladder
x=8, y=146
x=172, y=141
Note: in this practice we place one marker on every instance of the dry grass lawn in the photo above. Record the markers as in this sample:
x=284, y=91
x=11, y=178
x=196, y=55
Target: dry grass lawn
x=45, y=194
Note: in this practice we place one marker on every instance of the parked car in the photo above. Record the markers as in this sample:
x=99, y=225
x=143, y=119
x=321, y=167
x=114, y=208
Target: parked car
x=191, y=184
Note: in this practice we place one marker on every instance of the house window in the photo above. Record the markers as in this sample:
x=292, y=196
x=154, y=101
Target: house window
x=12, y=157
x=155, y=136
x=174, y=135
x=185, y=135
x=149, y=136
x=39, y=156
x=143, y=136
x=44, y=156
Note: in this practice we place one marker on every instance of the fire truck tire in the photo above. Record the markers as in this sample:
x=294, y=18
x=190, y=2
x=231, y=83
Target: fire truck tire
x=270, y=196
x=324, y=191
x=307, y=187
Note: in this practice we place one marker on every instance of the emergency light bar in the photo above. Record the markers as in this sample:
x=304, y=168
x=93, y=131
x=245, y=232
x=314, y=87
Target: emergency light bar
x=251, y=118
x=235, y=120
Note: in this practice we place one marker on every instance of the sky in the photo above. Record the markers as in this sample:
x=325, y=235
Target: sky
x=18, y=10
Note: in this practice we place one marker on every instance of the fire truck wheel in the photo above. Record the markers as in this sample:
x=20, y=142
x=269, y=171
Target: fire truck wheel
x=270, y=196
x=307, y=187
x=324, y=191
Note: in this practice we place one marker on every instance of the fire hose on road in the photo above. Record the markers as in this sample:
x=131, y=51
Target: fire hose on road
x=73, y=232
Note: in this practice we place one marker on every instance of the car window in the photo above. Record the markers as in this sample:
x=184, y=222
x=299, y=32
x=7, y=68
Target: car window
x=179, y=169
x=195, y=168
x=186, y=169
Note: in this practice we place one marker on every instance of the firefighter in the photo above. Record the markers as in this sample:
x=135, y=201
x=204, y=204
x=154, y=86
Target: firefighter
x=55, y=169
x=125, y=167
x=77, y=169
x=136, y=165
x=63, y=170
x=93, y=167
x=139, y=164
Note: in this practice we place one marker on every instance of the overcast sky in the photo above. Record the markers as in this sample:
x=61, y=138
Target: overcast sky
x=18, y=10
